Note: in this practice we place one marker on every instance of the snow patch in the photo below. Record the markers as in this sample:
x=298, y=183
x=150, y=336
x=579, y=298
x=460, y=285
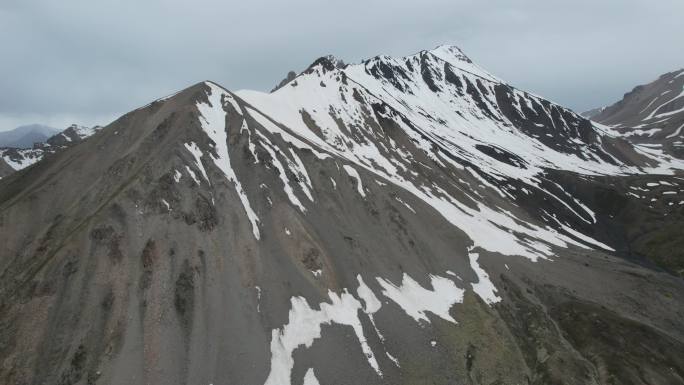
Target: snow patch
x=310, y=378
x=416, y=300
x=304, y=326
x=484, y=286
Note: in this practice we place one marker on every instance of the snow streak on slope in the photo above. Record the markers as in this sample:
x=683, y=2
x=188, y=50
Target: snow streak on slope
x=197, y=155
x=213, y=119
x=352, y=173
x=484, y=286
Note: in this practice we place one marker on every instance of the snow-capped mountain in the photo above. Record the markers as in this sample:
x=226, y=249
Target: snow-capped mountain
x=72, y=134
x=651, y=115
x=19, y=158
x=400, y=220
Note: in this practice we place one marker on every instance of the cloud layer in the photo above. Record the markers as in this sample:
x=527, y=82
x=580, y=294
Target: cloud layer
x=87, y=62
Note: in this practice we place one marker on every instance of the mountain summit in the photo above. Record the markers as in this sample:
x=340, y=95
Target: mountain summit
x=400, y=220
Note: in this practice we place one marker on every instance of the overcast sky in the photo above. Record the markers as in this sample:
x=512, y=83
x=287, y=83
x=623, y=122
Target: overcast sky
x=87, y=62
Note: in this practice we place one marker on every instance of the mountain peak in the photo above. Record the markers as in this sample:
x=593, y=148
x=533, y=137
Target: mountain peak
x=450, y=53
x=327, y=62
x=455, y=56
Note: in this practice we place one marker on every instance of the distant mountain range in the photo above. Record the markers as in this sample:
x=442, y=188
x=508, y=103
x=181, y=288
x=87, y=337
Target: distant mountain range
x=13, y=158
x=25, y=136
x=401, y=220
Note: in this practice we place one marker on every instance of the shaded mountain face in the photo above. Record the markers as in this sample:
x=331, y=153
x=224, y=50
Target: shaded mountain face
x=17, y=158
x=397, y=221
x=26, y=136
x=650, y=114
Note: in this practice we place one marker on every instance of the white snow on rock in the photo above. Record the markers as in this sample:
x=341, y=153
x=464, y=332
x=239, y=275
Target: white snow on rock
x=84, y=132
x=416, y=300
x=454, y=56
x=304, y=322
x=676, y=133
x=213, y=120
x=304, y=326
x=271, y=149
x=310, y=378
x=192, y=175
x=371, y=303
x=354, y=174
x=26, y=157
x=197, y=154
x=484, y=286
x=405, y=204
x=639, y=132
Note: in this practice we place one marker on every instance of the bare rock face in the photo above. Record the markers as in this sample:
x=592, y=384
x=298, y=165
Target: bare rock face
x=398, y=221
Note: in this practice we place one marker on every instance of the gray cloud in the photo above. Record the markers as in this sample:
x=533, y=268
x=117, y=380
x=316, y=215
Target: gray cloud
x=88, y=62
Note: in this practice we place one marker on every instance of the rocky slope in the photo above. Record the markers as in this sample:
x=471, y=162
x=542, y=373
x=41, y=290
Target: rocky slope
x=398, y=221
x=651, y=115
